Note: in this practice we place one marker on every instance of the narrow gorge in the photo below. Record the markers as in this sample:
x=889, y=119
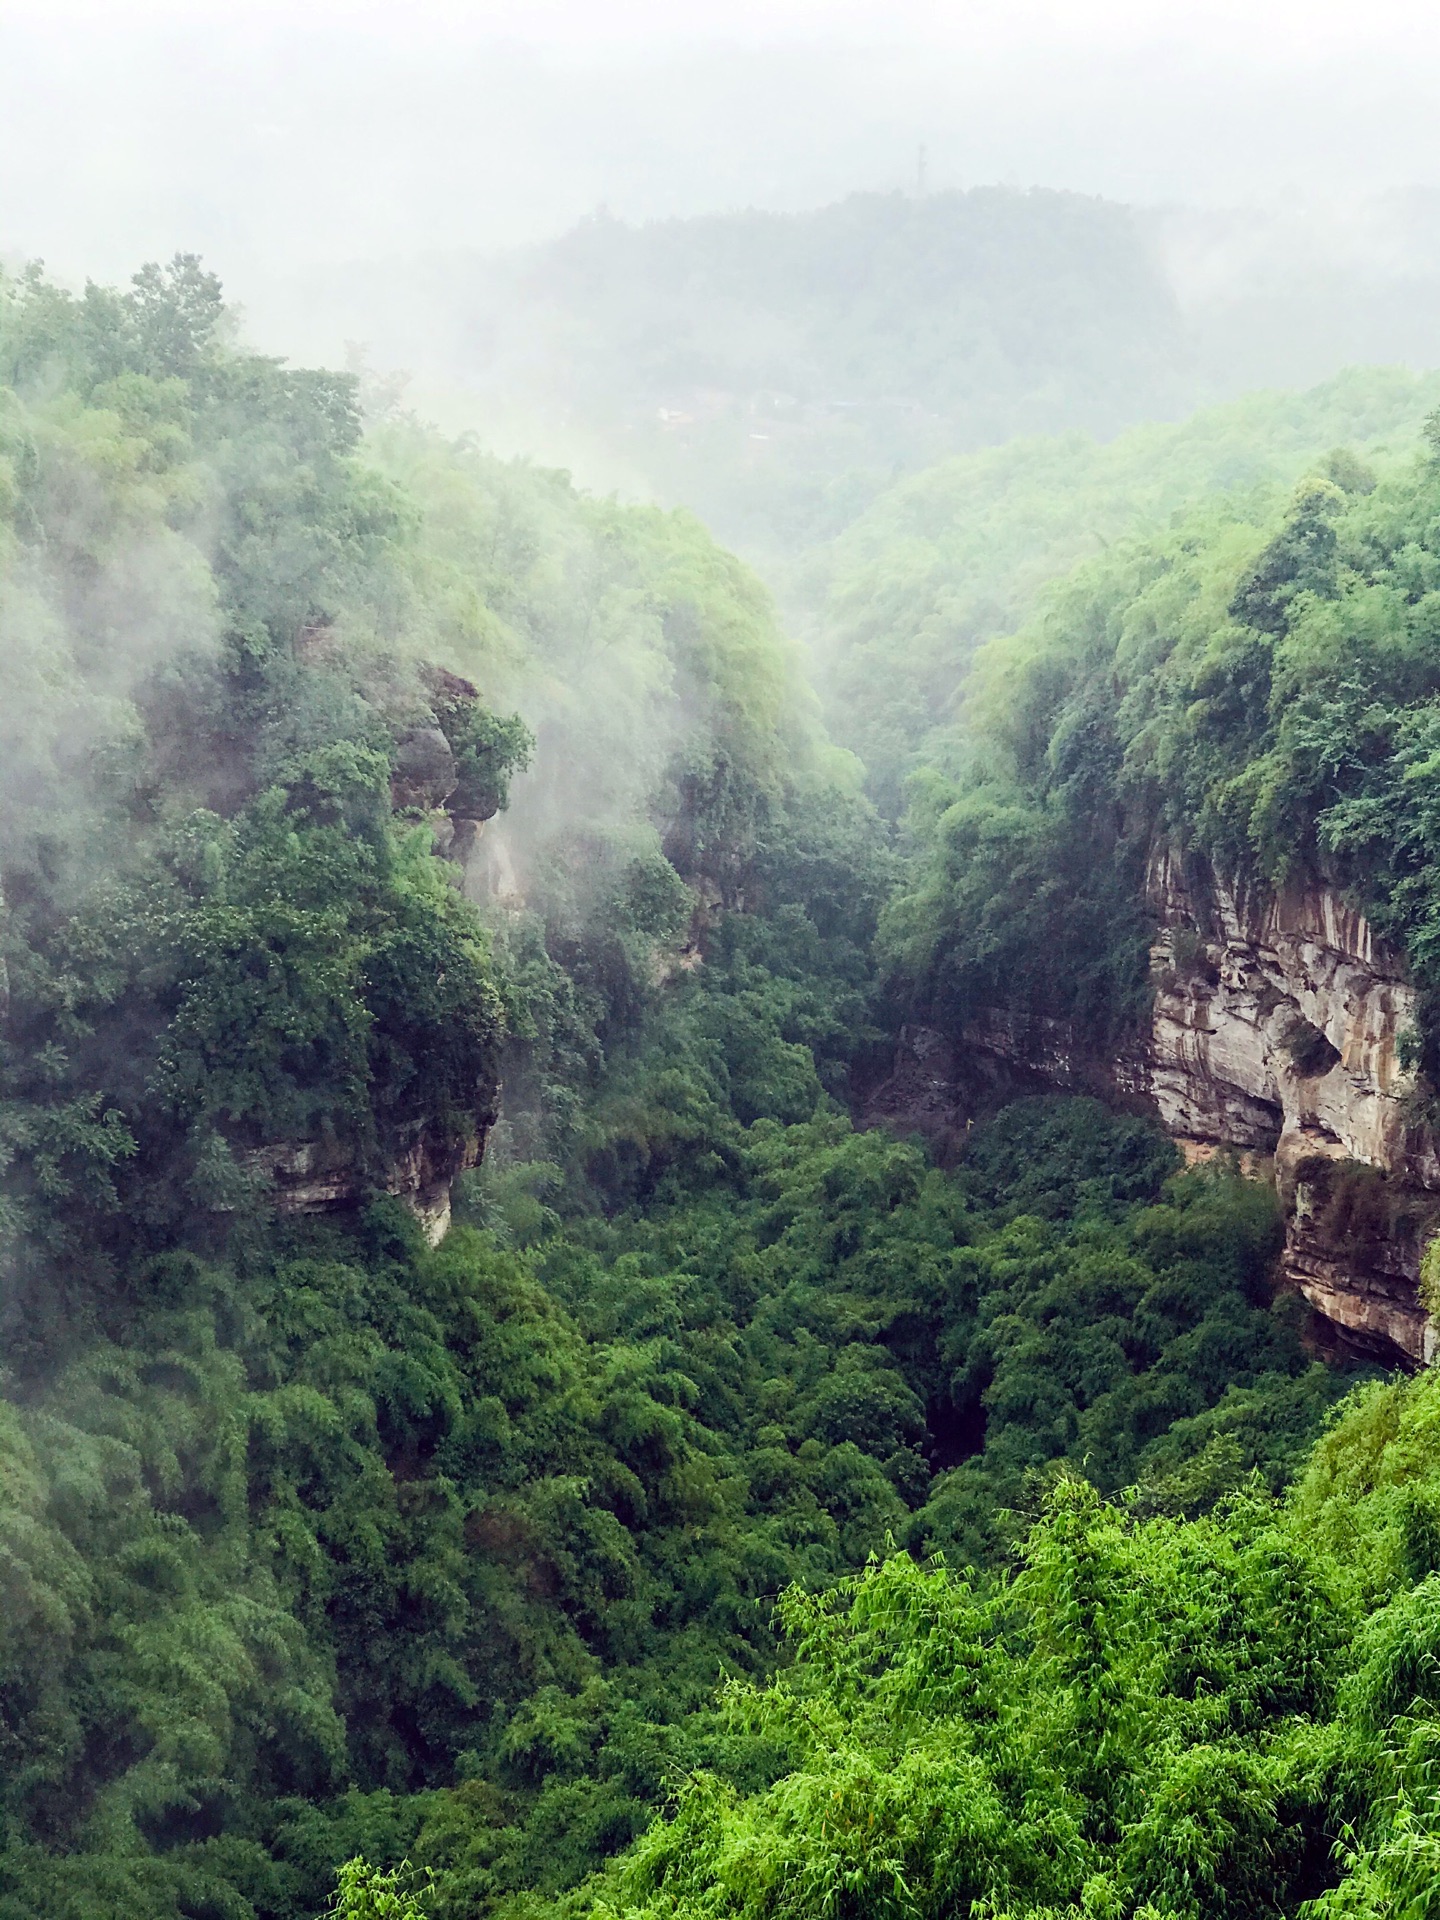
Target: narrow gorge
x=462, y=1294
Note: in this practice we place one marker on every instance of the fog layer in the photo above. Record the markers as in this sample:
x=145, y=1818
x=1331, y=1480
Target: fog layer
x=268, y=139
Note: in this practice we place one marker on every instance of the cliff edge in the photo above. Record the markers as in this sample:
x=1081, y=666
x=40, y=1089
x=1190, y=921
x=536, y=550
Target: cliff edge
x=1278, y=1031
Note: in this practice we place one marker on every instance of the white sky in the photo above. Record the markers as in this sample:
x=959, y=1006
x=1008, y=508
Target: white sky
x=1281, y=27
x=268, y=135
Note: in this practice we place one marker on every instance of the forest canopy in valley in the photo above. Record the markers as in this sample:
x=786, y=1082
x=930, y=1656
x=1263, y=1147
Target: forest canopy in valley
x=485, y=1429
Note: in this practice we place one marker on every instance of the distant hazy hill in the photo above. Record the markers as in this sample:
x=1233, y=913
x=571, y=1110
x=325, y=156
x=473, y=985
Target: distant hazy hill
x=766, y=368
x=975, y=313
x=1286, y=295
x=776, y=372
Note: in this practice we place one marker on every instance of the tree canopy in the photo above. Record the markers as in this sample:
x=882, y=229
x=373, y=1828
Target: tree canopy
x=367, y=802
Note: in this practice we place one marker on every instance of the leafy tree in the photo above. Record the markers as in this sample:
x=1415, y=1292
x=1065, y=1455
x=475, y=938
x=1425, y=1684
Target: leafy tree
x=362, y=1893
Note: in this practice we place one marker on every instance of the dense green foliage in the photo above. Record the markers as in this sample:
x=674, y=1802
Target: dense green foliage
x=216, y=937
x=326, y=1550
x=942, y=562
x=1148, y=1716
x=356, y=1515
x=231, y=954
x=1256, y=686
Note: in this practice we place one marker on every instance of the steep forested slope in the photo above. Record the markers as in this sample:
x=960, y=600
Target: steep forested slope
x=240, y=986
x=1257, y=685
x=896, y=606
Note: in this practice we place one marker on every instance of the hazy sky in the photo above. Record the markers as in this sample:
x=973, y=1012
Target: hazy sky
x=268, y=135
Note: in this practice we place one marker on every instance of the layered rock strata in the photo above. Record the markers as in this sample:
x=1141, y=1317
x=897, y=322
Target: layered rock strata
x=1277, y=1030
x=316, y=1176
x=1275, y=1034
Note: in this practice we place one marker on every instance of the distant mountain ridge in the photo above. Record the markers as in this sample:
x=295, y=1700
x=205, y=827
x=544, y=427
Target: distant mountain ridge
x=774, y=371
x=763, y=368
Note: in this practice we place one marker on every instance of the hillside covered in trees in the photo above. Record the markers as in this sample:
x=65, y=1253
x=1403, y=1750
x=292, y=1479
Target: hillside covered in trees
x=1256, y=685
x=480, y=1418
x=775, y=372
x=772, y=371
x=897, y=605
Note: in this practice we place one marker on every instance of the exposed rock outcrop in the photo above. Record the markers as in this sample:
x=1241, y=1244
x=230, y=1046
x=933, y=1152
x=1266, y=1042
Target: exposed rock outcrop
x=424, y=773
x=1277, y=1028
x=438, y=770
x=1276, y=1033
x=317, y=1176
x=939, y=1087
x=924, y=1092
x=1277, y=1021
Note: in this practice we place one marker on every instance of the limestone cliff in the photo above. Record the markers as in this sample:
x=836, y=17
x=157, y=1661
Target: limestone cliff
x=316, y=1176
x=1276, y=1031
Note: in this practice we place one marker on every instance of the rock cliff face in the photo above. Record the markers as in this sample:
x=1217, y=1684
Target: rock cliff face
x=427, y=778
x=314, y=1176
x=1276, y=1034
x=1277, y=1031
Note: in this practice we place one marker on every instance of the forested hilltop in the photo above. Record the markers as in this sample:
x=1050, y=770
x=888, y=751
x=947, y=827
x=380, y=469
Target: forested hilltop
x=484, y=1431
x=773, y=371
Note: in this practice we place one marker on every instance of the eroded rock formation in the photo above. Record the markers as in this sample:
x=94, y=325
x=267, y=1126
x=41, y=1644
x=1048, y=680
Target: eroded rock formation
x=317, y=1176
x=1276, y=1033
x=430, y=776
x=1278, y=1029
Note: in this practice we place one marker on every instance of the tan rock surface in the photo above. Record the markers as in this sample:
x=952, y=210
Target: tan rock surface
x=1277, y=1030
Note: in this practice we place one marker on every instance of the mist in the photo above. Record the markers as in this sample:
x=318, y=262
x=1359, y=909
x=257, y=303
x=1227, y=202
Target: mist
x=719, y=958
x=272, y=139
